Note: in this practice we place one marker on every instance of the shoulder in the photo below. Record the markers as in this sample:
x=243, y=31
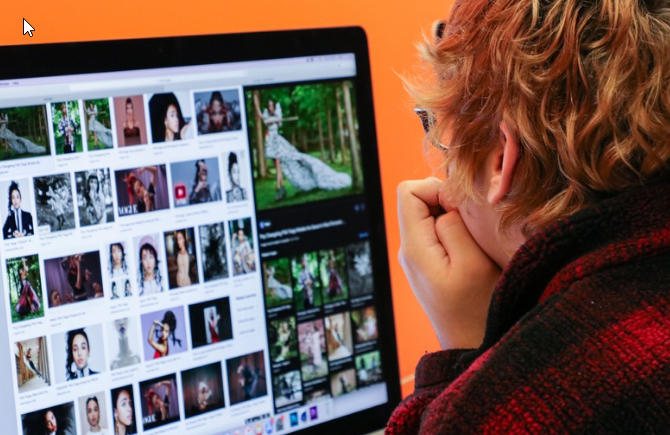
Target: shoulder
x=592, y=358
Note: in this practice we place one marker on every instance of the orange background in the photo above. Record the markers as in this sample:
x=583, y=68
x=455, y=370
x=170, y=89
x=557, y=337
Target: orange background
x=392, y=28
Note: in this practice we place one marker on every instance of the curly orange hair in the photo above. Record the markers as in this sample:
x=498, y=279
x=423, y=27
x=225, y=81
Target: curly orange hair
x=584, y=85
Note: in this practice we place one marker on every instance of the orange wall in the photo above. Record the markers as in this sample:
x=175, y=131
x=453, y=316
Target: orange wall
x=392, y=28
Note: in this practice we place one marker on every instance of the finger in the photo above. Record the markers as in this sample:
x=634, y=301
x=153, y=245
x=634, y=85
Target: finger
x=418, y=200
x=456, y=238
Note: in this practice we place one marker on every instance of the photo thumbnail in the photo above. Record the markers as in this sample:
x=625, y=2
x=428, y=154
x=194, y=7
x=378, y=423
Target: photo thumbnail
x=343, y=382
x=287, y=389
x=203, y=389
x=306, y=285
x=237, y=170
x=142, y=190
x=24, y=282
x=306, y=142
x=123, y=343
x=78, y=353
x=94, y=197
x=18, y=216
x=58, y=420
x=67, y=127
x=283, y=339
x=150, y=262
x=166, y=332
x=54, y=202
x=218, y=111
x=73, y=278
x=333, y=274
x=23, y=132
x=130, y=121
x=359, y=269
x=312, y=340
x=93, y=414
x=123, y=411
x=32, y=364
x=338, y=336
x=369, y=369
x=246, y=377
x=120, y=288
x=277, y=280
x=118, y=260
x=365, y=322
x=181, y=258
x=242, y=240
x=196, y=182
x=213, y=251
x=98, y=124
x=160, y=401
x=211, y=322
x=171, y=117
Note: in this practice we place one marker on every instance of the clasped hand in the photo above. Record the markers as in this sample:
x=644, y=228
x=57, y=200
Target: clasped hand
x=450, y=274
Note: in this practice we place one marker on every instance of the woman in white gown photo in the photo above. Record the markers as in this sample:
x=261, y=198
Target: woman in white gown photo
x=303, y=171
x=101, y=134
x=18, y=144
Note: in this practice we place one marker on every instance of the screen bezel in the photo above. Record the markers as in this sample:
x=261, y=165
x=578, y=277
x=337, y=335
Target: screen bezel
x=46, y=60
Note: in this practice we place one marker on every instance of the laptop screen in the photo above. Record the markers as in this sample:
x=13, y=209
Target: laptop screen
x=187, y=248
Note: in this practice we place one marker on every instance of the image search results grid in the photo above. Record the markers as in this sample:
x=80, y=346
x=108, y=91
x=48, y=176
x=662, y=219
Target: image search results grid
x=132, y=227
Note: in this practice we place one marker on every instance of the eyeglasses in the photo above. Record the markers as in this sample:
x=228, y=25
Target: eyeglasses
x=428, y=122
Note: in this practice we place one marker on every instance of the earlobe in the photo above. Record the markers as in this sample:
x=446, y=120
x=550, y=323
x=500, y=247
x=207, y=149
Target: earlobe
x=505, y=160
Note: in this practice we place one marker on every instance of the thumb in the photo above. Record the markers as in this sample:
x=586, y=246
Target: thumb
x=459, y=244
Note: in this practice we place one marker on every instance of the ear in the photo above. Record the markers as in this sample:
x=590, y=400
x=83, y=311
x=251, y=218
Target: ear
x=504, y=160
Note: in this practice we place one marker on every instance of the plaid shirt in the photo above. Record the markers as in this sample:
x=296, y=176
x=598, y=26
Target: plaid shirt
x=577, y=337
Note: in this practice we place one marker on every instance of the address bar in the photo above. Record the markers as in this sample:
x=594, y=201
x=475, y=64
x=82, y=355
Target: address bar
x=153, y=81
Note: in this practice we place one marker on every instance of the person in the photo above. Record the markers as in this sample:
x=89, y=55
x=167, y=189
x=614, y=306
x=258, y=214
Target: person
x=203, y=403
x=93, y=417
x=18, y=144
x=213, y=244
x=335, y=286
x=118, y=267
x=166, y=329
x=183, y=260
x=541, y=258
x=276, y=288
x=67, y=127
x=236, y=192
x=131, y=127
x=78, y=353
x=28, y=302
x=167, y=122
x=149, y=277
x=220, y=117
x=126, y=357
x=31, y=364
x=244, y=258
x=50, y=422
x=77, y=276
x=128, y=290
x=137, y=191
x=94, y=202
x=59, y=200
x=159, y=407
x=55, y=299
x=302, y=170
x=248, y=380
x=19, y=223
x=115, y=293
x=306, y=283
x=101, y=134
x=124, y=414
x=283, y=343
x=213, y=325
x=202, y=191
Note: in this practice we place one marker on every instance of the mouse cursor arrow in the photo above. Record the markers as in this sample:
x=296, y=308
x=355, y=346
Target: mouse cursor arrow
x=27, y=28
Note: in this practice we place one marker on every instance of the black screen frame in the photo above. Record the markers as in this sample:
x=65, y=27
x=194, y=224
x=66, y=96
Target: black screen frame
x=45, y=60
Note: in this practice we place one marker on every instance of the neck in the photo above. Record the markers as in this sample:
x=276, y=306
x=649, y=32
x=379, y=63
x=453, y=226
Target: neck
x=169, y=135
x=120, y=429
x=148, y=276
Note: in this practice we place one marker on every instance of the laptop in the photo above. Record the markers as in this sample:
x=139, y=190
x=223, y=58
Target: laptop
x=193, y=237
